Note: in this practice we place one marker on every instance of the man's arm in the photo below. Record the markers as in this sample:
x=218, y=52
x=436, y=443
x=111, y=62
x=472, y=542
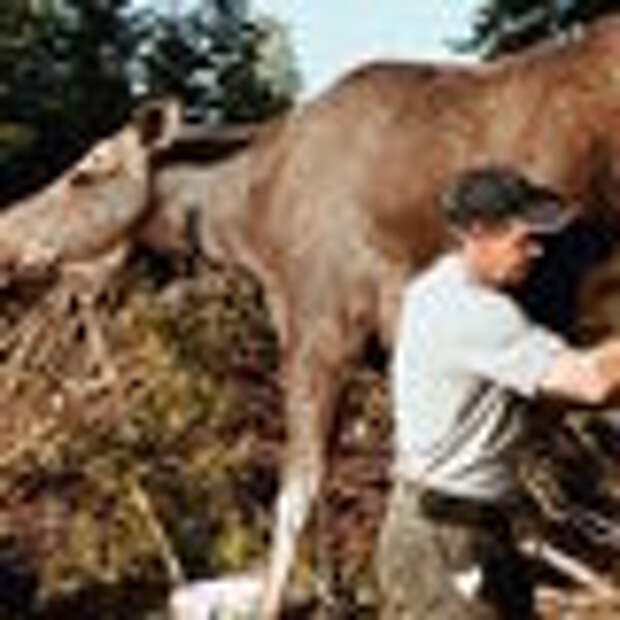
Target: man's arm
x=588, y=376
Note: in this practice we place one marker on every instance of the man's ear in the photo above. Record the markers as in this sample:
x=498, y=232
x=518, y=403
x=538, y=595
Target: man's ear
x=158, y=122
x=476, y=229
x=460, y=233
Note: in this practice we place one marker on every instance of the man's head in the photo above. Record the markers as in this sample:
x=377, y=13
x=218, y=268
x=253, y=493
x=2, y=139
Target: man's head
x=500, y=218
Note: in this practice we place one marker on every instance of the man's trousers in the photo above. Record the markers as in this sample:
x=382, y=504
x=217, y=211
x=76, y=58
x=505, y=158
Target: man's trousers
x=429, y=543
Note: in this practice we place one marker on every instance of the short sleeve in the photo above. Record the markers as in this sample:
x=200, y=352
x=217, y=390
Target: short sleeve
x=497, y=341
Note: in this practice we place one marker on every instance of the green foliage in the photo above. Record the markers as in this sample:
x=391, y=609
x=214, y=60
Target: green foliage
x=63, y=83
x=72, y=70
x=504, y=26
x=213, y=60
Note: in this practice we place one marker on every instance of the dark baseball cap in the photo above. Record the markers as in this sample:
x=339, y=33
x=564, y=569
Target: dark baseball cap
x=496, y=194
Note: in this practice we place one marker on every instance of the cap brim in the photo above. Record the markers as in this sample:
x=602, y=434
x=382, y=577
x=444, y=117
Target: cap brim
x=549, y=218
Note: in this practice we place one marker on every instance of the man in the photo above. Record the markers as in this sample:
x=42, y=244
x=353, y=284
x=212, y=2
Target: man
x=467, y=363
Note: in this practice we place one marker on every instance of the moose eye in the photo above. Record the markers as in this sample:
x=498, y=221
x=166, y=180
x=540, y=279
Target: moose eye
x=81, y=177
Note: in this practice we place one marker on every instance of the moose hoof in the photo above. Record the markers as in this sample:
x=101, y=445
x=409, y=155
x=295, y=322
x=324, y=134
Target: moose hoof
x=232, y=598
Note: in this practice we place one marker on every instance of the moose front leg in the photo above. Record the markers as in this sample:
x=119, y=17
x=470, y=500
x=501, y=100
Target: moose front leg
x=310, y=383
x=85, y=283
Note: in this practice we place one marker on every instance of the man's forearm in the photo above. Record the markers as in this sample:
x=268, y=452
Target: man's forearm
x=606, y=359
x=587, y=376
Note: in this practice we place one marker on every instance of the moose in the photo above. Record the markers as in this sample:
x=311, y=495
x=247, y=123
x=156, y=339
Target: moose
x=332, y=206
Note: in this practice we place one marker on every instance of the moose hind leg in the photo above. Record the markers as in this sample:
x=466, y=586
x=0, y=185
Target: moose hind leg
x=309, y=386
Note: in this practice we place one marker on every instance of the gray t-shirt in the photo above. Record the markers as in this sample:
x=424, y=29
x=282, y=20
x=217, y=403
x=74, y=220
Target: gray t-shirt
x=467, y=359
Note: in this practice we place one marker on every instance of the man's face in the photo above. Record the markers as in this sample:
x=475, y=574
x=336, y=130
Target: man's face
x=504, y=253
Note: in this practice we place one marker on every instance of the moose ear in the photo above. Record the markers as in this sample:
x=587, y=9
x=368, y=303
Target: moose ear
x=158, y=122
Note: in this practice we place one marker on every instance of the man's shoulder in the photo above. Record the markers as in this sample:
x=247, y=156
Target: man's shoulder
x=448, y=292
x=445, y=270
x=429, y=297
x=442, y=284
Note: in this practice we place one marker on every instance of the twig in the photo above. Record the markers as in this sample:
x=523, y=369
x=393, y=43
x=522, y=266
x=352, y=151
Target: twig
x=142, y=501
x=30, y=442
x=555, y=603
x=571, y=567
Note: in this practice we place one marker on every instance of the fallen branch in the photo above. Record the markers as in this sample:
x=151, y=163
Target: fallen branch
x=144, y=505
x=556, y=604
x=571, y=567
x=31, y=442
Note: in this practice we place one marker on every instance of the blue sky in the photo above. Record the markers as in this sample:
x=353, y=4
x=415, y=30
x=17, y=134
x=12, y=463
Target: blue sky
x=330, y=36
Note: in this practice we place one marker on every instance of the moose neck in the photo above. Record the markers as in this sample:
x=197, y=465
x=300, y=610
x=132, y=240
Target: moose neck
x=213, y=198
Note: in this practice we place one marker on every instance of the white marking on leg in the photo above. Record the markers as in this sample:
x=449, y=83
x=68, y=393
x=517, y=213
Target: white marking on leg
x=293, y=507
